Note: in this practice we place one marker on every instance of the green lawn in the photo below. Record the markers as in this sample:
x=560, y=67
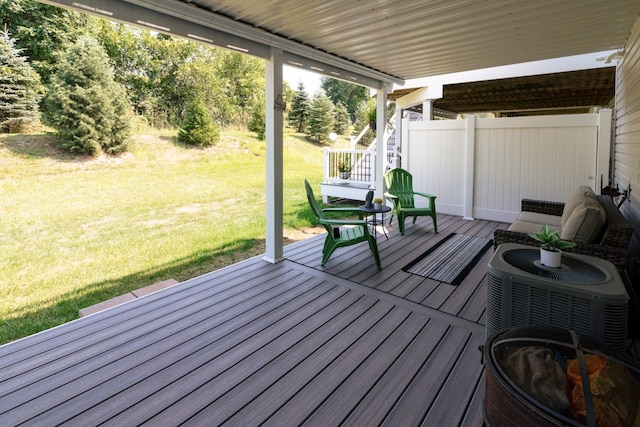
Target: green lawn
x=75, y=232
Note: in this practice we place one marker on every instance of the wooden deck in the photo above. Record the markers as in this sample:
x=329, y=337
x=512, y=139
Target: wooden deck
x=285, y=344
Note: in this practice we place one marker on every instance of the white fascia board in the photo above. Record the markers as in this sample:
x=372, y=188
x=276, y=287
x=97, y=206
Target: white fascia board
x=191, y=13
x=182, y=19
x=419, y=96
x=557, y=65
x=323, y=68
x=157, y=21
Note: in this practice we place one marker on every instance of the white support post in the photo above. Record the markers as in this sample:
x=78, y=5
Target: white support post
x=274, y=133
x=469, y=169
x=381, y=146
x=427, y=110
x=404, y=155
x=326, y=159
x=605, y=149
x=398, y=145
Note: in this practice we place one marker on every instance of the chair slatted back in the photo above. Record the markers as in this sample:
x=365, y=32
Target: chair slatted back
x=399, y=182
x=312, y=201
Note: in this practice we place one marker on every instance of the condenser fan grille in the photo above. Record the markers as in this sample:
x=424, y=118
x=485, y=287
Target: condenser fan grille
x=571, y=271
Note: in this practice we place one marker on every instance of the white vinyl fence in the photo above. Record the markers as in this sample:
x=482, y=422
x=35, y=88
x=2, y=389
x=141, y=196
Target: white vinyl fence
x=482, y=168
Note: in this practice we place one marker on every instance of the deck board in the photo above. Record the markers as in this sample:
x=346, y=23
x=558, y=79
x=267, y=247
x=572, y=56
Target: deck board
x=459, y=385
x=389, y=390
x=429, y=380
x=297, y=409
x=339, y=404
x=281, y=344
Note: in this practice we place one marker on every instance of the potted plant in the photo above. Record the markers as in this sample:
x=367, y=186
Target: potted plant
x=371, y=117
x=551, y=246
x=344, y=169
x=377, y=203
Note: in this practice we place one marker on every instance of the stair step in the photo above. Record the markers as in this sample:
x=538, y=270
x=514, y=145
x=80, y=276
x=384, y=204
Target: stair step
x=121, y=299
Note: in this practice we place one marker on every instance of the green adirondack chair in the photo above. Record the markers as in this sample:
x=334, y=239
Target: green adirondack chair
x=399, y=184
x=342, y=232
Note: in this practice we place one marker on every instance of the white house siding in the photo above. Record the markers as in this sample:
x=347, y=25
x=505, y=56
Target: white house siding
x=544, y=158
x=627, y=131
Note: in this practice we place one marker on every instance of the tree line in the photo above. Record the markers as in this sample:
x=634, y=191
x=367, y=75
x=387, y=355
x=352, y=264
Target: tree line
x=93, y=80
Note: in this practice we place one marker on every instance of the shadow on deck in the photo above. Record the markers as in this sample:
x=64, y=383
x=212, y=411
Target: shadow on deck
x=282, y=344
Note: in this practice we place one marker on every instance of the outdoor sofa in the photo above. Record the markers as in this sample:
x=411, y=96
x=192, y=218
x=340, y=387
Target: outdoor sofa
x=593, y=222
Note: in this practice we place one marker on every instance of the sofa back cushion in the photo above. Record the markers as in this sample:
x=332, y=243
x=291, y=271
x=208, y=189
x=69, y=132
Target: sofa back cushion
x=574, y=201
x=585, y=222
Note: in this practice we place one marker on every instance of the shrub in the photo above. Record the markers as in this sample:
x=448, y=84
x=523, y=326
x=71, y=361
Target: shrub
x=257, y=122
x=199, y=129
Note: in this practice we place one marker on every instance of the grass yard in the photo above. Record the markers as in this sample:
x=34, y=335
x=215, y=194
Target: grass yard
x=77, y=231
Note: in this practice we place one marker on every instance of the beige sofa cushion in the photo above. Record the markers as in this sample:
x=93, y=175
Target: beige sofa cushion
x=574, y=201
x=529, y=227
x=585, y=223
x=540, y=219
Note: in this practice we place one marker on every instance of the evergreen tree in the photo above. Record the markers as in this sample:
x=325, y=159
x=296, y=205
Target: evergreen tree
x=342, y=120
x=20, y=88
x=90, y=111
x=199, y=129
x=298, y=116
x=257, y=122
x=321, y=118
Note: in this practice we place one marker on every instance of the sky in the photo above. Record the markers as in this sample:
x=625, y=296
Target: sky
x=293, y=75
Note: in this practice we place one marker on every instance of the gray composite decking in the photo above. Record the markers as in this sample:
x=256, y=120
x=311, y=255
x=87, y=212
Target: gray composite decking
x=277, y=344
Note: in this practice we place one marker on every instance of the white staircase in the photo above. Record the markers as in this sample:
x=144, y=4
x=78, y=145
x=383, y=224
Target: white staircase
x=362, y=157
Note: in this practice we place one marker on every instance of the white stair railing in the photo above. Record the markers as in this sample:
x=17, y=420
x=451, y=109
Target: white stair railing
x=361, y=167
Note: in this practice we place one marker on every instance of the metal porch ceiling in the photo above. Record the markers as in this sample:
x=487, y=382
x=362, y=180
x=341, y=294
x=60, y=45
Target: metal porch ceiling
x=412, y=39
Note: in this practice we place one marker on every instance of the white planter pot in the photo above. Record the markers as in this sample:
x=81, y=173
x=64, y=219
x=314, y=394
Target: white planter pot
x=551, y=259
x=377, y=206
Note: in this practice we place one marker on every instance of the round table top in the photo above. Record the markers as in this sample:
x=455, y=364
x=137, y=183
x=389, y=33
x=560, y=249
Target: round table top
x=382, y=209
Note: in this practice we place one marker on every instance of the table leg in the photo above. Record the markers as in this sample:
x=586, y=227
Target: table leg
x=374, y=224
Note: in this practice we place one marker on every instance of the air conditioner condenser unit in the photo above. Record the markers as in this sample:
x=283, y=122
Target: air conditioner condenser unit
x=585, y=294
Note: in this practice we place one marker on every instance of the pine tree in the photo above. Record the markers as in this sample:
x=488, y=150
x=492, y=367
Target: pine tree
x=321, y=118
x=342, y=119
x=20, y=88
x=90, y=111
x=199, y=128
x=298, y=116
x=257, y=122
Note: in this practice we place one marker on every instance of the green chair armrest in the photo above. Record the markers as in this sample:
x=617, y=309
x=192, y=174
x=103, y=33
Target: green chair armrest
x=345, y=211
x=427, y=195
x=343, y=222
x=342, y=210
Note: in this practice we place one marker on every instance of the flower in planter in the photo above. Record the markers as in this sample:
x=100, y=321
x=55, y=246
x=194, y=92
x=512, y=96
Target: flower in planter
x=344, y=167
x=377, y=200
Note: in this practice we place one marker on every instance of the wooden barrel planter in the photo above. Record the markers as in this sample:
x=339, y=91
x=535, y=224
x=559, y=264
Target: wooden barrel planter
x=548, y=376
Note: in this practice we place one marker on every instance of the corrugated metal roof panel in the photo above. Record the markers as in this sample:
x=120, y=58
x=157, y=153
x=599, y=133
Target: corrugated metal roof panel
x=412, y=39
